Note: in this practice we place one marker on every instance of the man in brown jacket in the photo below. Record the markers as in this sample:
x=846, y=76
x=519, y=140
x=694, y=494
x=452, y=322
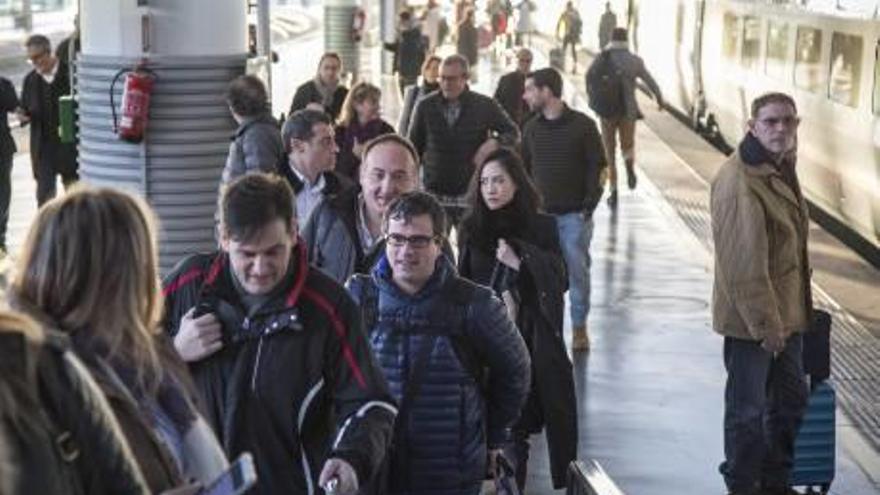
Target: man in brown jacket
x=761, y=300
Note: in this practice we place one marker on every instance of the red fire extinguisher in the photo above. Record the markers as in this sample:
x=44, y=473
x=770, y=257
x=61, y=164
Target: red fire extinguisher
x=358, y=22
x=135, y=111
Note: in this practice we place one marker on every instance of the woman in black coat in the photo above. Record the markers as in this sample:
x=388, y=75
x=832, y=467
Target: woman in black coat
x=507, y=244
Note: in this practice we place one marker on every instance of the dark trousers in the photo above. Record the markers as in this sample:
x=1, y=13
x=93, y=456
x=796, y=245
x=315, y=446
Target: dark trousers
x=764, y=402
x=573, y=41
x=5, y=195
x=54, y=159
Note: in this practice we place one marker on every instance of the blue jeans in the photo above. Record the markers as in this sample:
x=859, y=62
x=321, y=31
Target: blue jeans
x=575, y=234
x=764, y=402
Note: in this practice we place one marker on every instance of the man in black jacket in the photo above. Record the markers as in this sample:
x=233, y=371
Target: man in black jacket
x=453, y=130
x=277, y=350
x=324, y=92
x=563, y=151
x=48, y=81
x=8, y=103
x=511, y=86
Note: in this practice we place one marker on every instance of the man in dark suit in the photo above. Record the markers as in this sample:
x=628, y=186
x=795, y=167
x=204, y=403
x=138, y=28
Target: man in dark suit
x=8, y=103
x=48, y=81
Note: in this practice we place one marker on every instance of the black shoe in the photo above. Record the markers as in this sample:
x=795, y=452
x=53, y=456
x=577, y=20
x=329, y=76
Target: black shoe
x=631, y=176
x=612, y=199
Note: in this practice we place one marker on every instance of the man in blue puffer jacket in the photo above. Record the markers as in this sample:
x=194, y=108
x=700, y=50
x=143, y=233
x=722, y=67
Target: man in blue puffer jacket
x=453, y=359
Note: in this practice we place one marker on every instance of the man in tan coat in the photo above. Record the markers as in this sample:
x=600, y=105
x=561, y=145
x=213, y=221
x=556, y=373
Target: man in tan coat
x=761, y=301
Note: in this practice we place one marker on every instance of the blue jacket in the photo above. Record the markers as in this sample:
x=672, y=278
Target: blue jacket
x=458, y=411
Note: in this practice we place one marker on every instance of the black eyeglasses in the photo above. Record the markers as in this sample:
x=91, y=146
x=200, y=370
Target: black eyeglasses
x=415, y=241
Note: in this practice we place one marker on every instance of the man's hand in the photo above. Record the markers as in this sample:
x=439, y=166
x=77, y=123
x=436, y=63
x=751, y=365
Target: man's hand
x=346, y=482
x=493, y=461
x=357, y=148
x=483, y=151
x=773, y=342
x=603, y=176
x=23, y=117
x=198, y=337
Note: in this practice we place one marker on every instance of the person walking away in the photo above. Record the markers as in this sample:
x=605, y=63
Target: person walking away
x=256, y=145
x=445, y=344
x=112, y=318
x=277, y=350
x=509, y=93
x=568, y=28
x=324, y=92
x=8, y=104
x=611, y=87
x=360, y=121
x=468, y=39
x=453, y=130
x=432, y=18
x=413, y=94
x=761, y=298
x=563, y=152
x=507, y=245
x=409, y=50
x=525, y=26
x=607, y=23
x=42, y=87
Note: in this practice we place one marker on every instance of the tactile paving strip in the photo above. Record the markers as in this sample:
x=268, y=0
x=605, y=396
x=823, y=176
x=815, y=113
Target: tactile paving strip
x=855, y=351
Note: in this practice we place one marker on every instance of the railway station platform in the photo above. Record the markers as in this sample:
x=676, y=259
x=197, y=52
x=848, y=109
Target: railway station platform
x=651, y=388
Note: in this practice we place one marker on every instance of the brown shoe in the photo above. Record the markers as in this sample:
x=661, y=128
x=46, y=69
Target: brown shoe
x=580, y=339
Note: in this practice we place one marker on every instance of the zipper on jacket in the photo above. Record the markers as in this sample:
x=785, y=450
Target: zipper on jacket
x=257, y=364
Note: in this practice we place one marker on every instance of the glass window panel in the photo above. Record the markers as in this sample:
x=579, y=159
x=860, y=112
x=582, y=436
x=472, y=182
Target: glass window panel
x=751, y=43
x=846, y=69
x=777, y=49
x=808, y=73
x=730, y=41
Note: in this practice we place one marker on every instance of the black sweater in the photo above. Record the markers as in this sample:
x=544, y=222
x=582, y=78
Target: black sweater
x=447, y=151
x=564, y=156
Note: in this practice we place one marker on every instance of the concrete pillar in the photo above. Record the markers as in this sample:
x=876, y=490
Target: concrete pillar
x=177, y=166
x=338, y=17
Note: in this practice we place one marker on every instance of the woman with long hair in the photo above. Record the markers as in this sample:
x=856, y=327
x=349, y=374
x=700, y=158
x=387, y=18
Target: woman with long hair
x=412, y=94
x=508, y=245
x=49, y=405
x=89, y=269
x=359, y=122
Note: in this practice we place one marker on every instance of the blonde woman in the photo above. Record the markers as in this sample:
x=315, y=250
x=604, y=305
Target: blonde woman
x=88, y=268
x=359, y=122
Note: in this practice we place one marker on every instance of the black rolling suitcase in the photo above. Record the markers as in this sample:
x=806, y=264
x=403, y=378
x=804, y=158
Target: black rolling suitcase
x=814, y=447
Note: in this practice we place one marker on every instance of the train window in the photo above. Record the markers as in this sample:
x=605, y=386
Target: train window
x=845, y=69
x=731, y=37
x=808, y=73
x=777, y=49
x=751, y=43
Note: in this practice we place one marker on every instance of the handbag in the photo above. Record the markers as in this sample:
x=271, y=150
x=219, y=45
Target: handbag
x=504, y=477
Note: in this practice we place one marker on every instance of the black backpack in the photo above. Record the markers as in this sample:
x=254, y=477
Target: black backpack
x=605, y=87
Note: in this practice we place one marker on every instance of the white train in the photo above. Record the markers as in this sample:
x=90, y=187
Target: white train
x=712, y=57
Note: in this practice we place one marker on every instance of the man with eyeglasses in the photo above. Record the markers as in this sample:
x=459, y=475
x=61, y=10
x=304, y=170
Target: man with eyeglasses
x=511, y=87
x=761, y=302
x=311, y=157
x=344, y=235
x=454, y=130
x=42, y=87
x=456, y=364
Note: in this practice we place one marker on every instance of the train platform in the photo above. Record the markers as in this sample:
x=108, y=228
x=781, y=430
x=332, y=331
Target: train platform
x=650, y=390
